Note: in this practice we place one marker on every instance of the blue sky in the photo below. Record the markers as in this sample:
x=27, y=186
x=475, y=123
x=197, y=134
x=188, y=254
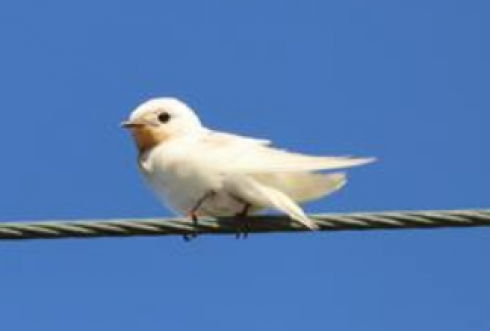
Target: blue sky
x=406, y=81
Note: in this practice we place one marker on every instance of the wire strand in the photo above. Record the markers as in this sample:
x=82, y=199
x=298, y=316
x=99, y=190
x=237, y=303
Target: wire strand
x=255, y=224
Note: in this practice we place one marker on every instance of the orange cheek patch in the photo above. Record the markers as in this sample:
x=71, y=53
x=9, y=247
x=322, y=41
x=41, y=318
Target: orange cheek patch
x=147, y=138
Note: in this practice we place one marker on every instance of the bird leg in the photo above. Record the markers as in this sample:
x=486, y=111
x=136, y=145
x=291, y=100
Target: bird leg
x=193, y=214
x=245, y=225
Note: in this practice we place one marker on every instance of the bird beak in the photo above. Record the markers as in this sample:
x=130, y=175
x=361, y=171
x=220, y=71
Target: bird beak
x=132, y=124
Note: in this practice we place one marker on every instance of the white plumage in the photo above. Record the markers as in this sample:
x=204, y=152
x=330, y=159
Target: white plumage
x=197, y=171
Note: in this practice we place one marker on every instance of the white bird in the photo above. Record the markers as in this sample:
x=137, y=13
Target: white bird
x=201, y=172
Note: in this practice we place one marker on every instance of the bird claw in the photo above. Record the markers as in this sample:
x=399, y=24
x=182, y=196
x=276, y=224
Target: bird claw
x=195, y=222
x=188, y=237
x=244, y=228
x=241, y=235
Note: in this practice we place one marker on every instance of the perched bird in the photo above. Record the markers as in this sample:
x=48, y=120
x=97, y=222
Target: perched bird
x=201, y=172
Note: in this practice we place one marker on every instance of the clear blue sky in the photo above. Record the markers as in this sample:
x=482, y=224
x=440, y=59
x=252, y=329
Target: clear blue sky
x=406, y=81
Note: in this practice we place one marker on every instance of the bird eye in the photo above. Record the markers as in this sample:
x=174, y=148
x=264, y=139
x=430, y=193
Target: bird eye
x=164, y=117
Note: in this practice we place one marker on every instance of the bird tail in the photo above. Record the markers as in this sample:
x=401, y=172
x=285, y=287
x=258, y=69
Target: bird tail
x=280, y=201
x=262, y=195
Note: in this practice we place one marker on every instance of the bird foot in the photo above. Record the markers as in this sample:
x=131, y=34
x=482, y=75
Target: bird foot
x=195, y=222
x=244, y=228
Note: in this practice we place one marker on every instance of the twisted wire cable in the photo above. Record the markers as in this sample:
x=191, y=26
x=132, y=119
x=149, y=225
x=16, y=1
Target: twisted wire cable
x=256, y=224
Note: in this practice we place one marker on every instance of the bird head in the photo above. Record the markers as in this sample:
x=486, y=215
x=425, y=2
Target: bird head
x=159, y=120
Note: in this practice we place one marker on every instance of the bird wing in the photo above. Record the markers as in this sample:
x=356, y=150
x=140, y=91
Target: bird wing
x=263, y=196
x=244, y=155
x=303, y=186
